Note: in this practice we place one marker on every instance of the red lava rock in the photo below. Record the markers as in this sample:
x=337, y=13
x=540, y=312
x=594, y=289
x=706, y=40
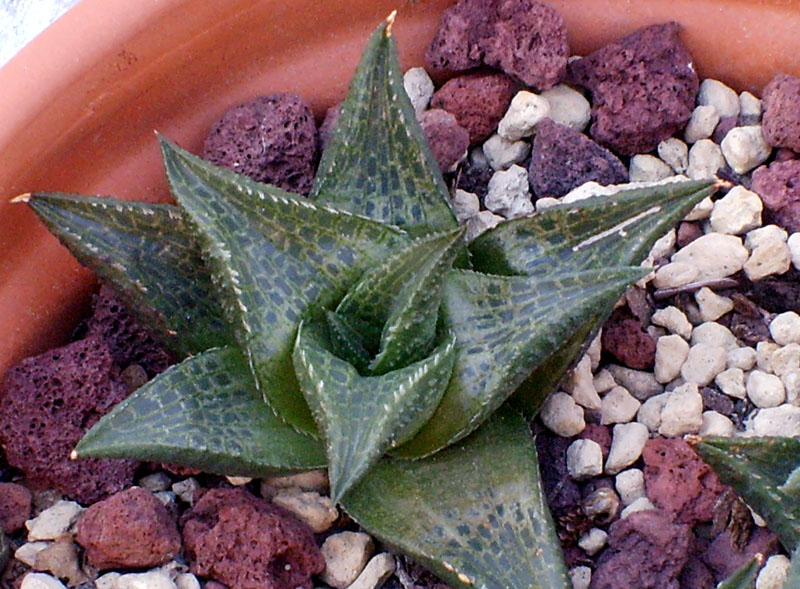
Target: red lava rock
x=696, y=575
x=15, y=507
x=127, y=341
x=563, y=159
x=524, y=38
x=600, y=434
x=49, y=402
x=678, y=481
x=687, y=233
x=129, y=529
x=779, y=187
x=646, y=549
x=624, y=338
x=781, y=112
x=784, y=154
x=724, y=559
x=271, y=139
x=643, y=88
x=247, y=543
x=478, y=101
x=449, y=141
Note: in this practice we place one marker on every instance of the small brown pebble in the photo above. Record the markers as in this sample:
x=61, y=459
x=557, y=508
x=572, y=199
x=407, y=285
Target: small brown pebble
x=687, y=233
x=779, y=188
x=781, y=112
x=624, y=338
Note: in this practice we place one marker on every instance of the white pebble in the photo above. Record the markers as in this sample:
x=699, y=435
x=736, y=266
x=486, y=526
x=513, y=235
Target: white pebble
x=793, y=243
x=639, y=383
x=671, y=353
x=580, y=384
x=375, y=574
x=648, y=168
x=703, y=363
x=109, y=580
x=749, y=109
x=581, y=577
x=683, y=411
x=627, y=443
x=508, y=193
x=716, y=424
x=712, y=306
x=731, y=382
x=28, y=551
x=465, y=205
x=630, y=485
x=785, y=328
x=791, y=382
x=723, y=98
x=158, y=481
x=314, y=509
x=650, y=412
x=346, y=554
x=603, y=381
x=769, y=252
x=674, y=320
x=419, y=87
x=187, y=581
x=641, y=504
x=618, y=406
x=41, y=581
x=705, y=158
x=154, y=579
x=745, y=148
x=783, y=420
x=737, y=212
x=53, y=521
x=186, y=489
x=701, y=124
x=546, y=202
x=711, y=332
x=524, y=113
x=744, y=358
x=593, y=541
x=785, y=359
x=701, y=210
x=764, y=389
x=714, y=255
x=238, y=481
x=480, y=223
x=675, y=153
x=764, y=351
x=584, y=459
x=562, y=415
x=773, y=574
x=595, y=350
x=568, y=107
x=502, y=153
x=675, y=274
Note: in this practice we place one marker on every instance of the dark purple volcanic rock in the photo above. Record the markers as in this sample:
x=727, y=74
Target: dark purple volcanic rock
x=781, y=112
x=643, y=88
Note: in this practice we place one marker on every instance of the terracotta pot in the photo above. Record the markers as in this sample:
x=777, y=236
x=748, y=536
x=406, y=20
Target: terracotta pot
x=80, y=103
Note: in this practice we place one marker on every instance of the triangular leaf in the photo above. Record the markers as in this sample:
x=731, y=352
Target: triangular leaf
x=761, y=471
x=378, y=163
x=506, y=326
x=148, y=253
x=474, y=513
x=353, y=340
x=745, y=576
x=598, y=232
x=403, y=295
x=277, y=258
x=205, y=413
x=363, y=416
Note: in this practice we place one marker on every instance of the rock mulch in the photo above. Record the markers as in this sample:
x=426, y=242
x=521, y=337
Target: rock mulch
x=708, y=344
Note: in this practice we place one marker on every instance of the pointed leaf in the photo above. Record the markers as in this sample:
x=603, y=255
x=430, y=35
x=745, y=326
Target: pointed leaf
x=278, y=258
x=588, y=233
x=745, y=576
x=148, y=253
x=354, y=341
x=403, y=294
x=378, y=163
x=474, y=513
x=763, y=472
x=205, y=413
x=506, y=326
x=363, y=416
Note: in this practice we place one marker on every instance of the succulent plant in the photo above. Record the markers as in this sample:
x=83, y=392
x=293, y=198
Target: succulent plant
x=356, y=329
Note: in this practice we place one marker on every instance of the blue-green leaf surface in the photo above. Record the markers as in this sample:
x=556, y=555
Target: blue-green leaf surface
x=363, y=416
x=745, y=576
x=277, y=258
x=205, y=413
x=148, y=253
x=378, y=162
x=474, y=513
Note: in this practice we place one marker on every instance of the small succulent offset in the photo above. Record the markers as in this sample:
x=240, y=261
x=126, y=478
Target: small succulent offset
x=356, y=329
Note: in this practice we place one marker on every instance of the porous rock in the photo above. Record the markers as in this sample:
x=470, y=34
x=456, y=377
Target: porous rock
x=678, y=481
x=563, y=158
x=15, y=506
x=477, y=100
x=625, y=338
x=646, y=549
x=49, y=402
x=247, y=543
x=524, y=38
x=130, y=529
x=643, y=88
x=271, y=139
x=723, y=558
x=778, y=185
x=781, y=117
x=449, y=141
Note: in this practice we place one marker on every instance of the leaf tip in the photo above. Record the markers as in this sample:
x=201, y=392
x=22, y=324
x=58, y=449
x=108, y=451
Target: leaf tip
x=387, y=32
x=22, y=198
